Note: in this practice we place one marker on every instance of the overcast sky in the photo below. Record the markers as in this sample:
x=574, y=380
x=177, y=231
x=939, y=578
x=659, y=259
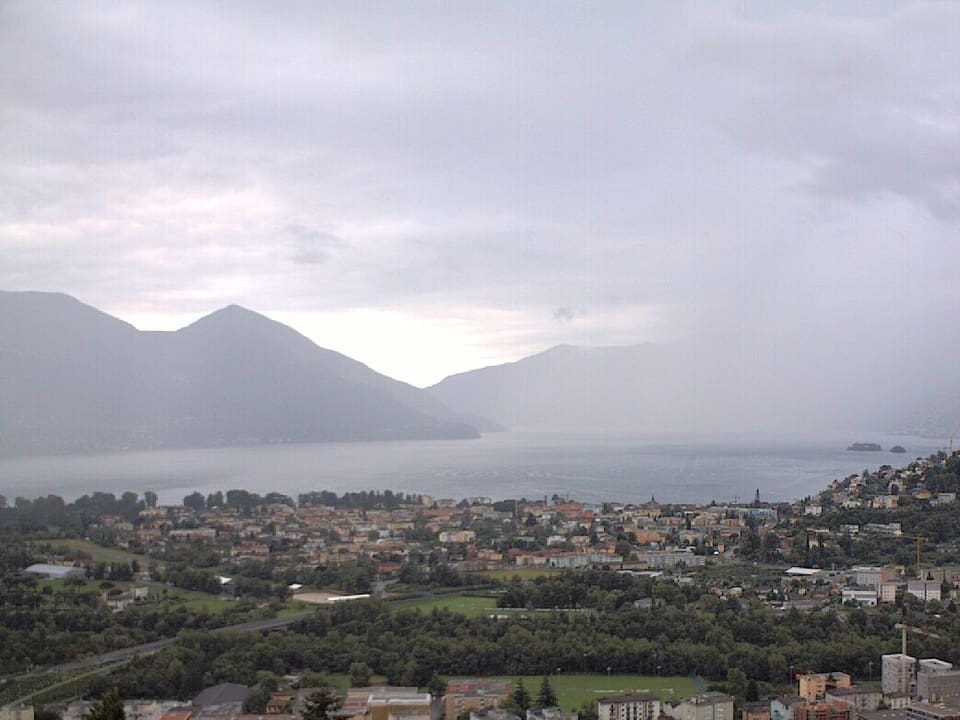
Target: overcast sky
x=431, y=187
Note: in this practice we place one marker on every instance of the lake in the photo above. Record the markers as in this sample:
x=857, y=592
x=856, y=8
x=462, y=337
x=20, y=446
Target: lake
x=500, y=465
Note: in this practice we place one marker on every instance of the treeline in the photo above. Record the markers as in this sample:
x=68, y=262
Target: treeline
x=594, y=589
x=43, y=626
x=709, y=638
x=52, y=513
x=362, y=500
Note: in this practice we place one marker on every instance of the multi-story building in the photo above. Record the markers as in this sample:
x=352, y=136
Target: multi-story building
x=386, y=703
x=925, y=590
x=897, y=673
x=938, y=682
x=824, y=710
x=859, y=697
x=628, y=707
x=706, y=706
x=814, y=686
x=869, y=576
x=474, y=694
x=925, y=711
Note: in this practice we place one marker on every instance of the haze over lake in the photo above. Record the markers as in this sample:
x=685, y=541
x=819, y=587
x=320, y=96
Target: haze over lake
x=500, y=465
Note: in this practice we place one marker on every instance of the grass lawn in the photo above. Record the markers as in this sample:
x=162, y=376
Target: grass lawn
x=171, y=596
x=572, y=690
x=469, y=606
x=99, y=554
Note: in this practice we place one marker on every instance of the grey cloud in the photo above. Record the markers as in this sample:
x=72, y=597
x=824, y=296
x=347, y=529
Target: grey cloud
x=737, y=165
x=566, y=314
x=309, y=246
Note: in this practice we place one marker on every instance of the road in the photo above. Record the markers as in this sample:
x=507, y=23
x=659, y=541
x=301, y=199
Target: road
x=149, y=648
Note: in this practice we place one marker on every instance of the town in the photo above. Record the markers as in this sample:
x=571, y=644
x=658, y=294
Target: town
x=874, y=555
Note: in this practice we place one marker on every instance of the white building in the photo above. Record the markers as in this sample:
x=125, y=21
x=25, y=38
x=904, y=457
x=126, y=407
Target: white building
x=897, y=672
x=628, y=707
x=925, y=590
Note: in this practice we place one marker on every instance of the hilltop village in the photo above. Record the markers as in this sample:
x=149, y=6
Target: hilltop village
x=779, y=611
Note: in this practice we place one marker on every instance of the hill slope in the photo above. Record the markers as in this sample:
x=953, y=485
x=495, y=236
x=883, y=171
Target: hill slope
x=75, y=379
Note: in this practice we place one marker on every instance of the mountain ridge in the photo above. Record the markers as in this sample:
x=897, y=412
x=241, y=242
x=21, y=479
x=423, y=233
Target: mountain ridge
x=76, y=379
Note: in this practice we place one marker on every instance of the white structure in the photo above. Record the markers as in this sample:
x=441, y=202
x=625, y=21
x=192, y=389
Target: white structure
x=861, y=596
x=925, y=590
x=56, y=572
x=898, y=672
x=868, y=576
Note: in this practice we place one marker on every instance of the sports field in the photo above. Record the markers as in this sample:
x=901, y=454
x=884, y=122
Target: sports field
x=468, y=605
x=573, y=689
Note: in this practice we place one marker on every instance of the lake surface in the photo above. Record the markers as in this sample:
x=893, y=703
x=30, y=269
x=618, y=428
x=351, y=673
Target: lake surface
x=500, y=465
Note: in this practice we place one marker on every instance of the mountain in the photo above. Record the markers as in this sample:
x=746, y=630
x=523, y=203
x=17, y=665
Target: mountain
x=75, y=379
x=758, y=383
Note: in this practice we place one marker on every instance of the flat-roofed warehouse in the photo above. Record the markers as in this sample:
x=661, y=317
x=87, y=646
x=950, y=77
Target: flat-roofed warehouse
x=56, y=572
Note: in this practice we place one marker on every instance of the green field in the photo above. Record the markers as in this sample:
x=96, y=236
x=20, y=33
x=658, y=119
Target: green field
x=468, y=605
x=574, y=689
x=171, y=596
x=99, y=554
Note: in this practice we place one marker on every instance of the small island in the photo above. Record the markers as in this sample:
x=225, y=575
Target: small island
x=898, y=449
x=864, y=447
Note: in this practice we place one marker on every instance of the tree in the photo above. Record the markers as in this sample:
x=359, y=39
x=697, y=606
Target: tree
x=360, y=674
x=737, y=682
x=109, y=707
x=520, y=698
x=437, y=686
x=546, y=697
x=321, y=704
x=588, y=710
x=194, y=501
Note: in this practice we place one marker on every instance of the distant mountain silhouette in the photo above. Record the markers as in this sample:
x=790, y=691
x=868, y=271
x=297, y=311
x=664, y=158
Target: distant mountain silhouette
x=75, y=379
x=752, y=384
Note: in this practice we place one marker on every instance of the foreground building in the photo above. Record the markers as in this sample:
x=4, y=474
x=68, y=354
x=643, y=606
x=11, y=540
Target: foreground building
x=628, y=707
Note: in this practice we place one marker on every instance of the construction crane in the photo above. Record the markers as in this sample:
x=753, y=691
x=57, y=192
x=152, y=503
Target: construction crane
x=919, y=631
x=920, y=540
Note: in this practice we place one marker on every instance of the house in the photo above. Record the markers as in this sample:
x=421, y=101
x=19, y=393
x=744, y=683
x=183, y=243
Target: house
x=755, y=711
x=120, y=598
x=629, y=707
x=782, y=708
x=279, y=702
